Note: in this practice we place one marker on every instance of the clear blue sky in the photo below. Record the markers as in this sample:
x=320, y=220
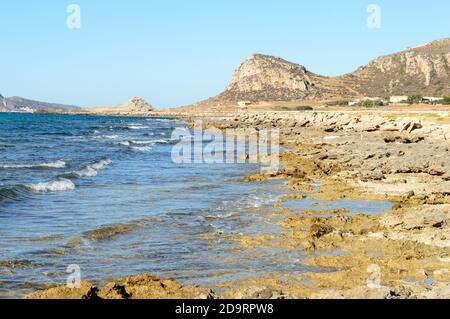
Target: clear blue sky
x=174, y=52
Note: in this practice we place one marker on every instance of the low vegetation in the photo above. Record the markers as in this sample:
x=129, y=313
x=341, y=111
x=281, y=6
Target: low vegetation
x=415, y=99
x=434, y=117
x=371, y=103
x=296, y=108
x=446, y=100
x=339, y=103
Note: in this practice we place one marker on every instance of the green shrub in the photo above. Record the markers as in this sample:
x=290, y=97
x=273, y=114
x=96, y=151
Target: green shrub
x=446, y=100
x=415, y=99
x=338, y=103
x=297, y=108
x=370, y=103
x=304, y=108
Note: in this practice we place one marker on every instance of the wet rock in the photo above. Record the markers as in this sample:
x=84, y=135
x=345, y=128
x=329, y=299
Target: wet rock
x=86, y=291
x=137, y=287
x=294, y=172
x=113, y=291
x=319, y=230
x=268, y=294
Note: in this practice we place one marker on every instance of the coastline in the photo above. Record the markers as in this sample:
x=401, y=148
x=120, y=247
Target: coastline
x=355, y=156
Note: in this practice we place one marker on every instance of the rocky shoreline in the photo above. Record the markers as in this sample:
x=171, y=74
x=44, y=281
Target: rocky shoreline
x=366, y=156
x=346, y=155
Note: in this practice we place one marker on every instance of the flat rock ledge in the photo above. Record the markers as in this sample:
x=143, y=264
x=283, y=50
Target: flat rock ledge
x=137, y=287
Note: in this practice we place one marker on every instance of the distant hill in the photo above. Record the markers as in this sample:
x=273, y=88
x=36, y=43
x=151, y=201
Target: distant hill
x=19, y=104
x=136, y=106
x=424, y=69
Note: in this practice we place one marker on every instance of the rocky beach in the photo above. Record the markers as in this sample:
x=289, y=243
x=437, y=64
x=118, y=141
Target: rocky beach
x=365, y=156
x=365, y=208
x=339, y=156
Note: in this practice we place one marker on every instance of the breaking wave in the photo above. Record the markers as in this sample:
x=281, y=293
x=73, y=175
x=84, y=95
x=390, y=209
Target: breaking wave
x=59, y=185
x=137, y=127
x=57, y=164
x=89, y=170
x=142, y=149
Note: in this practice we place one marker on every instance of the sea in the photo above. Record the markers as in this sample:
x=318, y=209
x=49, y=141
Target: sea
x=103, y=195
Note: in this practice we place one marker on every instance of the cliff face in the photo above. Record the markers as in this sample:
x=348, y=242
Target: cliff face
x=261, y=72
x=424, y=69
x=264, y=77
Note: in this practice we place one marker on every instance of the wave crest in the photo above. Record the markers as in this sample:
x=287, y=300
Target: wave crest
x=90, y=170
x=57, y=164
x=59, y=185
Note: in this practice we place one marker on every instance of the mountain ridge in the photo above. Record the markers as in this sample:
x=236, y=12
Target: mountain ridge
x=23, y=105
x=421, y=69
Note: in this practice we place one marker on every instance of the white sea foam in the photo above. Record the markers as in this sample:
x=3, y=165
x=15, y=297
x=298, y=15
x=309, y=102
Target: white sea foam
x=140, y=143
x=142, y=149
x=138, y=127
x=93, y=169
x=57, y=164
x=165, y=120
x=123, y=143
x=59, y=185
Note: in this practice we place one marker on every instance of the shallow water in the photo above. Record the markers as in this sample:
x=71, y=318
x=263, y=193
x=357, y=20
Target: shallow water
x=322, y=206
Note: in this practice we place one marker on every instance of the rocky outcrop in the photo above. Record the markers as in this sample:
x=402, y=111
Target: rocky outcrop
x=264, y=77
x=137, y=287
x=424, y=69
x=136, y=106
x=139, y=105
x=262, y=71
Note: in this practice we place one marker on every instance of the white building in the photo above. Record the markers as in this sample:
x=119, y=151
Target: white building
x=243, y=106
x=432, y=99
x=356, y=102
x=398, y=99
x=244, y=103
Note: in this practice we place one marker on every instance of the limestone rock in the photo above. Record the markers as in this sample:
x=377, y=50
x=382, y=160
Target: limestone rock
x=423, y=69
x=139, y=105
x=137, y=287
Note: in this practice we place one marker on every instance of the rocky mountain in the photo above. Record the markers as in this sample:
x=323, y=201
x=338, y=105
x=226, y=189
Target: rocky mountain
x=264, y=77
x=424, y=69
x=136, y=106
x=18, y=104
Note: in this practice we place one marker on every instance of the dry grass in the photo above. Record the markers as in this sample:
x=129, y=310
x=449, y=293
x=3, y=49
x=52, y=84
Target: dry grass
x=442, y=118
